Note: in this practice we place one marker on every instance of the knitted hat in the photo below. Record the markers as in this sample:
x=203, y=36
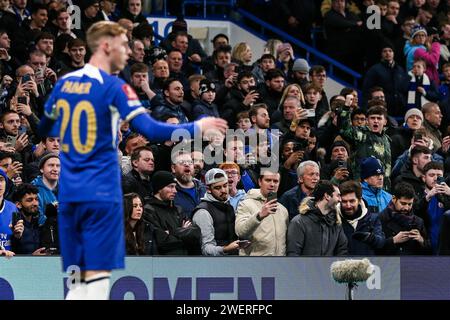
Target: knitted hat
x=301, y=65
x=283, y=47
x=412, y=112
x=370, y=166
x=179, y=25
x=387, y=44
x=205, y=86
x=339, y=143
x=46, y=157
x=161, y=179
x=416, y=29
x=214, y=176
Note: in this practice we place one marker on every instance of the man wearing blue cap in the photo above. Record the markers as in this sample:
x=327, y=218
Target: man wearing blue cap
x=372, y=179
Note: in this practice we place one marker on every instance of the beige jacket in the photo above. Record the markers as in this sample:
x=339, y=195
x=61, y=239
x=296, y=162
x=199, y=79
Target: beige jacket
x=268, y=237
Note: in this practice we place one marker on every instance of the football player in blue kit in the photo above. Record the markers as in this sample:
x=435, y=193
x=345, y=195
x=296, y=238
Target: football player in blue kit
x=85, y=106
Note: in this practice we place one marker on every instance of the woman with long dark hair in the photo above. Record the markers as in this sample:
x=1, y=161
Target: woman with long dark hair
x=139, y=234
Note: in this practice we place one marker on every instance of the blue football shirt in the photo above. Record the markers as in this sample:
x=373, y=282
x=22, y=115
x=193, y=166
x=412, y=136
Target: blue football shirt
x=87, y=105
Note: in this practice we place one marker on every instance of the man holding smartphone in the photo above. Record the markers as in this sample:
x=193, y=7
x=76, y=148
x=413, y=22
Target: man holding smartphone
x=435, y=202
x=405, y=232
x=215, y=217
x=9, y=130
x=262, y=220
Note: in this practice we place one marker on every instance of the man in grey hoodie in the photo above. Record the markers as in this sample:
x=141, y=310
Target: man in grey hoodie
x=215, y=217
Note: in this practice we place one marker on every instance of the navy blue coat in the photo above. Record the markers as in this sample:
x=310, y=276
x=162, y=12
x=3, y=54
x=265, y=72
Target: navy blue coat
x=184, y=200
x=394, y=81
x=291, y=199
x=369, y=223
x=203, y=109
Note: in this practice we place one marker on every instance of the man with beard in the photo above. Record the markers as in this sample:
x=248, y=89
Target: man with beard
x=362, y=228
x=259, y=116
x=317, y=230
x=27, y=202
x=308, y=173
x=138, y=179
x=189, y=190
x=405, y=232
x=199, y=164
x=215, y=217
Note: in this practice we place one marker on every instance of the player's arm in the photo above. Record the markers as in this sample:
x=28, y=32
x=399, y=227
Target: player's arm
x=130, y=110
x=157, y=131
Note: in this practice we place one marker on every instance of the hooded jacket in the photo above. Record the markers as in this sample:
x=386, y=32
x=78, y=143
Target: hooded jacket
x=313, y=234
x=377, y=199
x=366, y=222
x=268, y=236
x=45, y=196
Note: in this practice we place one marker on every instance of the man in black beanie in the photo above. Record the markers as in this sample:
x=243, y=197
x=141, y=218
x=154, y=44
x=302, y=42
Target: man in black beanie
x=165, y=216
x=337, y=170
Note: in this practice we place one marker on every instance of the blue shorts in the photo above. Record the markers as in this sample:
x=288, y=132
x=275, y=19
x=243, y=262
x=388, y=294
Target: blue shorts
x=92, y=235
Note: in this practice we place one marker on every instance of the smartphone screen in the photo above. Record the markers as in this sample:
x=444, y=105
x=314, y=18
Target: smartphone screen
x=22, y=100
x=271, y=196
x=26, y=78
x=11, y=140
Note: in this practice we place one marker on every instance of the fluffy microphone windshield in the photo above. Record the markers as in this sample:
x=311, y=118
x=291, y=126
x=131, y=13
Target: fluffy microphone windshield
x=351, y=271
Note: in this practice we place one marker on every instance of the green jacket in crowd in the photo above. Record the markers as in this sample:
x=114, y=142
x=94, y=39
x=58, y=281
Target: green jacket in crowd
x=364, y=144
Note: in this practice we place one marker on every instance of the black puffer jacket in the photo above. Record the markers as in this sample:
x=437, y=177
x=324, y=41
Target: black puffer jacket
x=167, y=219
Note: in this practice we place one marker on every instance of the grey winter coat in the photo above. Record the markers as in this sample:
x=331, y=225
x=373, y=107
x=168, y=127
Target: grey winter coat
x=313, y=234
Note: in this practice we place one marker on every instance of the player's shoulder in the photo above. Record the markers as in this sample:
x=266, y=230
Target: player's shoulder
x=89, y=73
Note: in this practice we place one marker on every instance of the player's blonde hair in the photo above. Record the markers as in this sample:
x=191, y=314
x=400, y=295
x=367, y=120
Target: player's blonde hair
x=101, y=30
